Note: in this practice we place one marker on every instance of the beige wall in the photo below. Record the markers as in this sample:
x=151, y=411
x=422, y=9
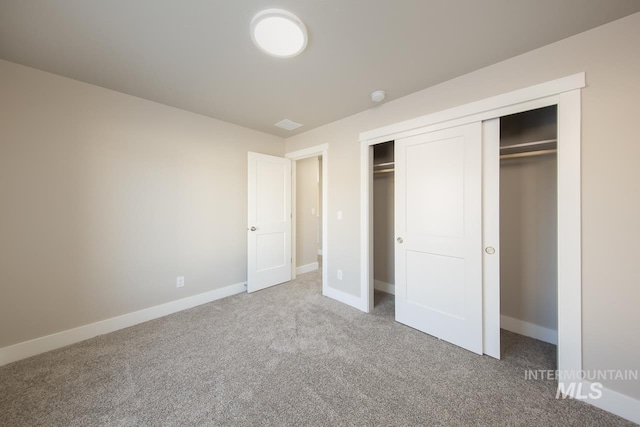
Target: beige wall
x=106, y=198
x=307, y=219
x=529, y=240
x=610, y=152
x=528, y=222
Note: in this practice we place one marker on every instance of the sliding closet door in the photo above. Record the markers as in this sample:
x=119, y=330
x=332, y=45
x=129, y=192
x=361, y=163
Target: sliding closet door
x=491, y=237
x=438, y=222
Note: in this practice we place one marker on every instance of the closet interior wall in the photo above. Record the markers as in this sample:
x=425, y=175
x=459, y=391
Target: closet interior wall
x=528, y=223
x=383, y=217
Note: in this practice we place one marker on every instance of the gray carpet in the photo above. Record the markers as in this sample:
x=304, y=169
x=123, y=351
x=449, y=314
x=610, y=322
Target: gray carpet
x=284, y=356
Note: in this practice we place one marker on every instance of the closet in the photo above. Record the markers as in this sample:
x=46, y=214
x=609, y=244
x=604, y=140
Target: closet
x=528, y=224
x=487, y=226
x=383, y=220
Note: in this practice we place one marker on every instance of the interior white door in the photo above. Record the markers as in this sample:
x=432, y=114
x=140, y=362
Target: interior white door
x=269, y=216
x=438, y=222
x=491, y=237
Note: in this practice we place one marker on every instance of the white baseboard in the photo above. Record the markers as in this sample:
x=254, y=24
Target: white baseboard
x=614, y=402
x=36, y=346
x=345, y=298
x=307, y=268
x=529, y=329
x=384, y=287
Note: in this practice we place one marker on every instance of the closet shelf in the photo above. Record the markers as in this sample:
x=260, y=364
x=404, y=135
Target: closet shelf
x=529, y=144
x=535, y=148
x=383, y=167
x=383, y=170
x=528, y=154
x=383, y=164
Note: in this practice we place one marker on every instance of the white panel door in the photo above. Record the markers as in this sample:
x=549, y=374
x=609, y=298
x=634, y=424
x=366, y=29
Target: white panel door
x=269, y=215
x=438, y=222
x=491, y=236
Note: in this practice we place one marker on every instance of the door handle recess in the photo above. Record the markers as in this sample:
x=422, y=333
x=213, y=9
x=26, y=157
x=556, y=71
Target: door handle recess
x=399, y=240
x=253, y=228
x=490, y=250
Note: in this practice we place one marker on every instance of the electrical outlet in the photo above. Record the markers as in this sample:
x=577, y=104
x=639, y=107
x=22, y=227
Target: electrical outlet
x=180, y=282
x=339, y=274
x=339, y=215
x=313, y=211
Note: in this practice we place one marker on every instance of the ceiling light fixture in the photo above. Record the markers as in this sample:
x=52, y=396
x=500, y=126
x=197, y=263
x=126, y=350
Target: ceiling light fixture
x=279, y=33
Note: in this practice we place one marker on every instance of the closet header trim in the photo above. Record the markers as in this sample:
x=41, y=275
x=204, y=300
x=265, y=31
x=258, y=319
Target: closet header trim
x=467, y=111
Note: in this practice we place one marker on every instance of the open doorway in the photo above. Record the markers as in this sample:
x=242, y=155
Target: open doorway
x=271, y=214
x=313, y=190
x=383, y=225
x=308, y=214
x=529, y=236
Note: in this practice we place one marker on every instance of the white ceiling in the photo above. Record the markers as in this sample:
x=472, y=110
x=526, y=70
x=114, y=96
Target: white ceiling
x=198, y=55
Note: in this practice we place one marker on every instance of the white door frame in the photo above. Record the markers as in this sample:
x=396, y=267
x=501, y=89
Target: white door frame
x=322, y=151
x=565, y=93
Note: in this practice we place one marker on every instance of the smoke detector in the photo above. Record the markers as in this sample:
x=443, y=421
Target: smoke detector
x=378, y=95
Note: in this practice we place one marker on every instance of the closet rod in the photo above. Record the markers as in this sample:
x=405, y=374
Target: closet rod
x=383, y=170
x=529, y=144
x=527, y=154
x=502, y=156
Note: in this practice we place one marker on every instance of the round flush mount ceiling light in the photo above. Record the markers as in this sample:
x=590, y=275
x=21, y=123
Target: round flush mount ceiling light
x=279, y=33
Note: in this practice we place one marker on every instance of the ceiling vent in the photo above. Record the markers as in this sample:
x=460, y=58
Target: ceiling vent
x=288, y=124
